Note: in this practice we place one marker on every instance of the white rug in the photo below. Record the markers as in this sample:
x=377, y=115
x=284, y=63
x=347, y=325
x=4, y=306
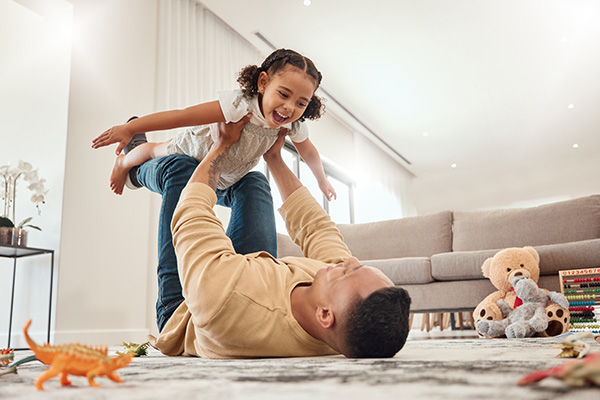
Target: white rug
x=424, y=369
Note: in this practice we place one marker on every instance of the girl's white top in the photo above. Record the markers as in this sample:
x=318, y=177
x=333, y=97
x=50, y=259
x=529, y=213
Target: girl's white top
x=257, y=137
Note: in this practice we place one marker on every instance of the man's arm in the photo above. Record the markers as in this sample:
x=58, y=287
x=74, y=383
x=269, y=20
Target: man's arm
x=285, y=179
x=307, y=223
x=207, y=262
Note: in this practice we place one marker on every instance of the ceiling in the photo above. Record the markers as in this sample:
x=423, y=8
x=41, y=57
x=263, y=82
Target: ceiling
x=476, y=83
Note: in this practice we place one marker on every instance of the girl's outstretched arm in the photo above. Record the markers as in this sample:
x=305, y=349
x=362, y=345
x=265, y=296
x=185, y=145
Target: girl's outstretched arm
x=310, y=154
x=201, y=114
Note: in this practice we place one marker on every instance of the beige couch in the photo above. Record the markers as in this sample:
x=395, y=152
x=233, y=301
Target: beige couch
x=438, y=257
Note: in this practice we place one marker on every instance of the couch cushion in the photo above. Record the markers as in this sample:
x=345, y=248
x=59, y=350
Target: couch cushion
x=448, y=296
x=574, y=255
x=459, y=295
x=404, y=271
x=553, y=258
x=459, y=265
x=285, y=247
x=565, y=221
x=406, y=237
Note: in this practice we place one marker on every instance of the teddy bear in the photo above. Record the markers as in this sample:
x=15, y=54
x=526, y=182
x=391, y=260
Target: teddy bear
x=501, y=269
x=527, y=319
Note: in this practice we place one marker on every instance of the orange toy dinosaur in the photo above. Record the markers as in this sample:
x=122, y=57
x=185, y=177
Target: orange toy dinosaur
x=75, y=359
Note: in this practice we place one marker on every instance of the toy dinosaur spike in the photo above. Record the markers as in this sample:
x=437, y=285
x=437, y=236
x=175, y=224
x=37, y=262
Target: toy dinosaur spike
x=137, y=350
x=75, y=359
x=6, y=356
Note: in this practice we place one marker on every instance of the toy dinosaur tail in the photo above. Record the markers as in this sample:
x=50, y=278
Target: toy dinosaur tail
x=537, y=376
x=33, y=345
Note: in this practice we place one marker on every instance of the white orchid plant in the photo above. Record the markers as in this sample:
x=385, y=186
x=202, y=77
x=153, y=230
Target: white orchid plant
x=9, y=176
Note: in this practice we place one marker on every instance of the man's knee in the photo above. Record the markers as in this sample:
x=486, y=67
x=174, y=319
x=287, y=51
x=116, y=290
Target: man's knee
x=157, y=172
x=178, y=166
x=254, y=180
x=180, y=163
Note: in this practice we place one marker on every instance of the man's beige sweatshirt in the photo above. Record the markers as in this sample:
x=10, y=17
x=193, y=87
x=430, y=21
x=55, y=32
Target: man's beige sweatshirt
x=238, y=306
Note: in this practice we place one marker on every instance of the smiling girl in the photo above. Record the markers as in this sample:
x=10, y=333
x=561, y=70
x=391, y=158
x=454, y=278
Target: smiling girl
x=280, y=94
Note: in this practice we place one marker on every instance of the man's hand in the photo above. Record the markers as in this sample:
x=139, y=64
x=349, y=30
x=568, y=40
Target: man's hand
x=117, y=134
x=230, y=133
x=209, y=169
x=275, y=151
x=285, y=179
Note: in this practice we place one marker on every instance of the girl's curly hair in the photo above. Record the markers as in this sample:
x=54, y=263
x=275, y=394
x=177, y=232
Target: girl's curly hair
x=276, y=61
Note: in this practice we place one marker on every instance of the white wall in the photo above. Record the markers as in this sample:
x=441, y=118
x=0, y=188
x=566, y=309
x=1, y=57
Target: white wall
x=34, y=87
x=522, y=186
x=102, y=290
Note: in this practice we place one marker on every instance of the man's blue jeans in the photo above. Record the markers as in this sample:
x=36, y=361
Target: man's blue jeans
x=251, y=226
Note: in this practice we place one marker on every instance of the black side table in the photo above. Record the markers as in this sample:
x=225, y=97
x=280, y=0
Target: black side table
x=16, y=252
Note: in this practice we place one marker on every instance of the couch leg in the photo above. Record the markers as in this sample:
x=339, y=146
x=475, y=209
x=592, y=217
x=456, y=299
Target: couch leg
x=471, y=320
x=424, y=321
x=461, y=324
x=445, y=321
x=427, y=322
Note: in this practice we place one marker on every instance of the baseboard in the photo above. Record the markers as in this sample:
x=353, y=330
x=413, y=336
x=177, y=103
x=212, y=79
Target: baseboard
x=109, y=337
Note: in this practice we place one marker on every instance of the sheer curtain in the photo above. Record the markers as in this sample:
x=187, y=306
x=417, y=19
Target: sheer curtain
x=382, y=185
x=197, y=55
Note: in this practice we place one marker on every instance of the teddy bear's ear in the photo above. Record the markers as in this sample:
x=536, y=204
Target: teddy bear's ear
x=534, y=253
x=485, y=268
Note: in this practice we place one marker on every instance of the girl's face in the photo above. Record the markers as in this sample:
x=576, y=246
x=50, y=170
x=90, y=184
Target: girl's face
x=285, y=95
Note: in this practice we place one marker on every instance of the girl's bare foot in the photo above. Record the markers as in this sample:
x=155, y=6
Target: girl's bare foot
x=118, y=175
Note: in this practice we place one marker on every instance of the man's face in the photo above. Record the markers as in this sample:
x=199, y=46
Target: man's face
x=339, y=285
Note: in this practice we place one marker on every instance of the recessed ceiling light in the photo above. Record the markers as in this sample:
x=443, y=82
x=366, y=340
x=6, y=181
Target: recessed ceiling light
x=307, y=2
x=571, y=106
x=575, y=146
x=425, y=133
x=564, y=40
x=453, y=165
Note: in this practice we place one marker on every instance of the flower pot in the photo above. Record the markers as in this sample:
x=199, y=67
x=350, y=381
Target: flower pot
x=13, y=237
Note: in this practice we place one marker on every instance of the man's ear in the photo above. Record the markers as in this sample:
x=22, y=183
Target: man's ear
x=325, y=317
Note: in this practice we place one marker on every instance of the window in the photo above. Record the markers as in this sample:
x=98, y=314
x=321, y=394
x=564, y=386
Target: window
x=341, y=210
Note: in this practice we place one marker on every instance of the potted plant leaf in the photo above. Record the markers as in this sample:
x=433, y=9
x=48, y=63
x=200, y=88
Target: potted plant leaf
x=15, y=235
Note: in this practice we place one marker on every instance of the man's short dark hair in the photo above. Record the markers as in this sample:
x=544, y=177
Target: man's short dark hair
x=377, y=327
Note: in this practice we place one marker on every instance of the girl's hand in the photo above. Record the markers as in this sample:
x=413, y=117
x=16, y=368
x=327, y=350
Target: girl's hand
x=328, y=190
x=117, y=134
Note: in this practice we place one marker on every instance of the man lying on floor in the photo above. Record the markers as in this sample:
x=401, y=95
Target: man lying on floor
x=254, y=305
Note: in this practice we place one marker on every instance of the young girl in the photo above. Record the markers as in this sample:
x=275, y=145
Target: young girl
x=279, y=94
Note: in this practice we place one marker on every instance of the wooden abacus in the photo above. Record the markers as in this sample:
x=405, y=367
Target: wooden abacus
x=582, y=288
